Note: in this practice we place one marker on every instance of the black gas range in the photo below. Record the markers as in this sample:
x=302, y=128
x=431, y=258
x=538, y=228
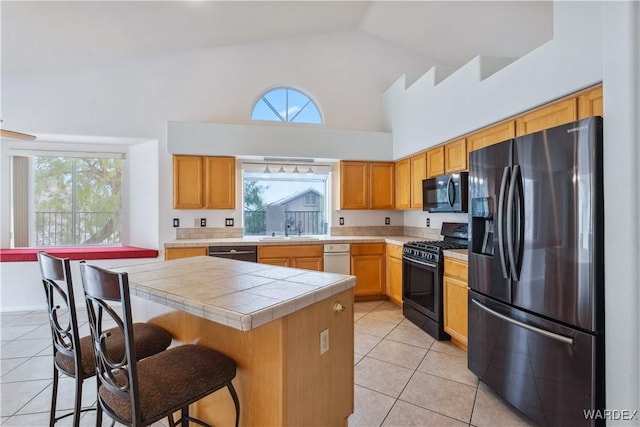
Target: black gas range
x=422, y=271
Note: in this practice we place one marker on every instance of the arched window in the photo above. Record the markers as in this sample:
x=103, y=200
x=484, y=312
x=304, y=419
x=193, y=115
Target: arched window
x=284, y=104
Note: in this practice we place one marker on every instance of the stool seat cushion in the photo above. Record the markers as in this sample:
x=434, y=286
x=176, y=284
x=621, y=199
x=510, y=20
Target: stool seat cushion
x=149, y=339
x=172, y=379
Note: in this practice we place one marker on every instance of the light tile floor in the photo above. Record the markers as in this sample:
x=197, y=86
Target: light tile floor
x=406, y=378
x=403, y=376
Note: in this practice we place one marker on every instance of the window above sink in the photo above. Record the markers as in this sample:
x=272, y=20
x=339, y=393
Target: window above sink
x=285, y=201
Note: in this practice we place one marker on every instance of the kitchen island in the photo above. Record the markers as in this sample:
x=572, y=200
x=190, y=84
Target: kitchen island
x=270, y=321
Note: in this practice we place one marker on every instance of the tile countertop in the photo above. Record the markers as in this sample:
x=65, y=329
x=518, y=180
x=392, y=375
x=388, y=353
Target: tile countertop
x=242, y=295
x=294, y=240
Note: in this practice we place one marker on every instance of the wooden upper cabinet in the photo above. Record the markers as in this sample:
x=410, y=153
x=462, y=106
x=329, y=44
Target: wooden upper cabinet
x=418, y=173
x=367, y=185
x=220, y=182
x=455, y=156
x=404, y=184
x=491, y=135
x=590, y=103
x=549, y=116
x=381, y=185
x=201, y=182
x=435, y=161
x=188, y=184
x=354, y=185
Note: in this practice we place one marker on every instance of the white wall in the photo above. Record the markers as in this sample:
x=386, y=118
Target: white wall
x=436, y=109
x=593, y=42
x=137, y=97
x=22, y=283
x=621, y=44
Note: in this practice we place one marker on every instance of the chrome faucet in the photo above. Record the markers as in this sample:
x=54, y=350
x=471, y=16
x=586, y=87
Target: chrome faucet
x=286, y=230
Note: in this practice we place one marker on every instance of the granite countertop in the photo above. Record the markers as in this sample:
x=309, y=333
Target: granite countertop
x=241, y=295
x=293, y=240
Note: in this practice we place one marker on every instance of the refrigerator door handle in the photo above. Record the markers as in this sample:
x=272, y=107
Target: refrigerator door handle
x=510, y=226
x=451, y=199
x=501, y=248
x=548, y=334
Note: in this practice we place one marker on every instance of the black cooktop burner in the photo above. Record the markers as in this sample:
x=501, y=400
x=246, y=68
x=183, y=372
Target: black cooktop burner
x=435, y=245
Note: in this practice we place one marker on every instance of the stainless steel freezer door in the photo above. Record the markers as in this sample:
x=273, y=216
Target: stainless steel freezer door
x=550, y=372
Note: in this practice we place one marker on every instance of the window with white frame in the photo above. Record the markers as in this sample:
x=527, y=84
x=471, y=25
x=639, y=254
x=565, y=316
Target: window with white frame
x=284, y=104
x=73, y=200
x=283, y=199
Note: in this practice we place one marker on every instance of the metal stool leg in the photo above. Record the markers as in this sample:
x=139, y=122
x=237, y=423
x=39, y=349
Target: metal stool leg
x=236, y=402
x=77, y=408
x=54, y=397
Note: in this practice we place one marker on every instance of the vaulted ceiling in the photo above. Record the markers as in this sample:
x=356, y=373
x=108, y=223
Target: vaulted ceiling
x=45, y=35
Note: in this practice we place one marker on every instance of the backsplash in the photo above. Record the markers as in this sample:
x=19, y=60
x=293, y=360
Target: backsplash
x=209, y=233
x=368, y=230
x=427, y=233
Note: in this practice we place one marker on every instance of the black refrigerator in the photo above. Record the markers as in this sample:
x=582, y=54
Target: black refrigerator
x=536, y=272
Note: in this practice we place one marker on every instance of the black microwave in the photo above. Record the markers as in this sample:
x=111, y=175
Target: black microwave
x=446, y=193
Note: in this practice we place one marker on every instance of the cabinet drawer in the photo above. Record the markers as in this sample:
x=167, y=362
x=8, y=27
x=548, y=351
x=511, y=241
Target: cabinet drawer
x=367, y=249
x=176, y=253
x=455, y=268
x=289, y=251
x=394, y=251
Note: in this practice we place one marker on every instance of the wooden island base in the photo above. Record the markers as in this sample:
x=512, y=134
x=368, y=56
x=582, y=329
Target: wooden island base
x=282, y=378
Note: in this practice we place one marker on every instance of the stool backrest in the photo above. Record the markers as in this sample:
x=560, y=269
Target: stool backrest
x=63, y=319
x=102, y=287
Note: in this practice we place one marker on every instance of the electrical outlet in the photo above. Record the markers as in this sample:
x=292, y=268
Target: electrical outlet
x=387, y=220
x=176, y=222
x=324, y=341
x=341, y=221
x=203, y=222
x=428, y=222
x=228, y=222
x=196, y=222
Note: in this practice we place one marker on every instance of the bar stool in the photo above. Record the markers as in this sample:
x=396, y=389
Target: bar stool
x=139, y=393
x=72, y=354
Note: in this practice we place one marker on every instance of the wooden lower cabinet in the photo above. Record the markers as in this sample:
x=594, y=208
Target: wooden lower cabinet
x=394, y=274
x=176, y=253
x=308, y=257
x=368, y=265
x=455, y=295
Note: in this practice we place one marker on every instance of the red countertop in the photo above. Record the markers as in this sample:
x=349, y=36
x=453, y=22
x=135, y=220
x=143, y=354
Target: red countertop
x=78, y=253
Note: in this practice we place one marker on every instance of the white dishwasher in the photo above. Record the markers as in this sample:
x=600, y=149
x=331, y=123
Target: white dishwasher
x=337, y=258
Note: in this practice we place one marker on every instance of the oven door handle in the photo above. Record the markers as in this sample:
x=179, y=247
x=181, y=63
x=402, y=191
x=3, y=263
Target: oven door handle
x=415, y=261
